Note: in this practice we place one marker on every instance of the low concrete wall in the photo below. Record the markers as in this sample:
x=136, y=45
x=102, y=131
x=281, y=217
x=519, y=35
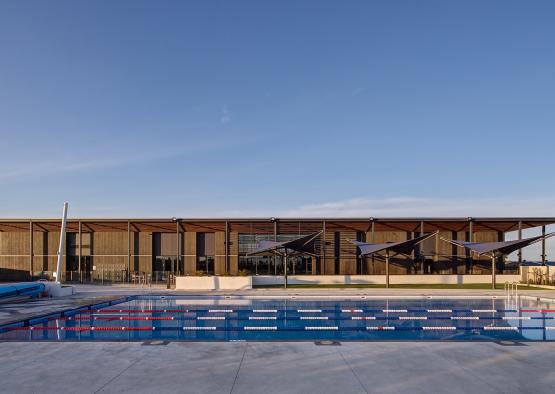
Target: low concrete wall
x=213, y=282
x=56, y=290
x=262, y=280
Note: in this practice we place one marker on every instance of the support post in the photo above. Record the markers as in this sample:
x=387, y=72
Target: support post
x=227, y=267
x=177, y=247
x=128, y=250
x=285, y=269
x=493, y=271
x=470, y=236
x=386, y=268
x=62, y=245
x=544, y=257
x=373, y=236
x=520, y=237
x=31, y=249
x=323, y=271
x=80, y=251
x=423, y=260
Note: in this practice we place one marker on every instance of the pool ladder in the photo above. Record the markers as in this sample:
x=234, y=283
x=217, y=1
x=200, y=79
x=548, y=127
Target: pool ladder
x=511, y=289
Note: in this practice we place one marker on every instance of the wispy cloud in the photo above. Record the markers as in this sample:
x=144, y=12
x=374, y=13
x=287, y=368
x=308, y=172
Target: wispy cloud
x=22, y=170
x=225, y=116
x=416, y=206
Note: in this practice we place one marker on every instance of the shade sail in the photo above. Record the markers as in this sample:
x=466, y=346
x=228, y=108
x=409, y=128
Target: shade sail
x=402, y=247
x=505, y=247
x=304, y=244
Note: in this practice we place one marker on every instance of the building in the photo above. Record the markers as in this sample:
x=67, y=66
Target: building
x=123, y=249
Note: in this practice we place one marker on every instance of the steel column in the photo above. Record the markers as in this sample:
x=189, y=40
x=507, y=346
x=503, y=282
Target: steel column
x=544, y=257
x=420, y=250
x=226, y=240
x=31, y=249
x=470, y=236
x=387, y=268
x=285, y=270
x=80, y=250
x=177, y=248
x=493, y=271
x=520, y=237
x=323, y=248
x=128, y=249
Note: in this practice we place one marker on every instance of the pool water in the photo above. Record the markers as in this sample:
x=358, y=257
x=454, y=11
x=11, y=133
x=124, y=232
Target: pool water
x=175, y=318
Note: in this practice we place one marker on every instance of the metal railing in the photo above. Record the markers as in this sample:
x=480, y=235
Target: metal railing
x=103, y=276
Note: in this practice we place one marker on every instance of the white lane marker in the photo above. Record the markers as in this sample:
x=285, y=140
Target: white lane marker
x=264, y=310
x=262, y=318
x=352, y=310
x=220, y=310
x=516, y=318
x=439, y=328
x=251, y=328
x=413, y=318
x=309, y=310
x=491, y=328
x=439, y=310
x=465, y=318
x=394, y=310
x=363, y=318
x=193, y=328
x=322, y=328
x=484, y=310
x=314, y=317
x=211, y=318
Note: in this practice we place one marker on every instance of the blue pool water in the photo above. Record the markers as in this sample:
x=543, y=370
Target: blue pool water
x=177, y=318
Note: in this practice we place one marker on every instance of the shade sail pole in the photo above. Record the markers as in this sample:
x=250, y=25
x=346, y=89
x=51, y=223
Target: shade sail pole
x=387, y=269
x=285, y=269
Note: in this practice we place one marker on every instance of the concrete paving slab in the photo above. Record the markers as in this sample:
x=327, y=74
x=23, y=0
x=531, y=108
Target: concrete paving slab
x=277, y=367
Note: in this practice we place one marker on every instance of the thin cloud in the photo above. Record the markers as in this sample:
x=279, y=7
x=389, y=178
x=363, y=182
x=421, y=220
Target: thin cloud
x=426, y=207
x=225, y=116
x=62, y=166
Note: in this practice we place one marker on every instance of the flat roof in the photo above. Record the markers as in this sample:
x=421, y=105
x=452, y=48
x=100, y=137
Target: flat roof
x=285, y=225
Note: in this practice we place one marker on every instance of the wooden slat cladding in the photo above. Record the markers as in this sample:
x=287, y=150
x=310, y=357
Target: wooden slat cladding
x=347, y=253
x=219, y=257
x=190, y=257
x=109, y=243
x=105, y=242
x=233, y=252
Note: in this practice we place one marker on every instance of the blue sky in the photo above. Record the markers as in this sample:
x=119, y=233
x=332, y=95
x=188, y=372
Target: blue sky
x=283, y=108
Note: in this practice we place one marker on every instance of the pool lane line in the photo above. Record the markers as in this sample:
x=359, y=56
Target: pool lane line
x=306, y=328
x=317, y=310
x=293, y=318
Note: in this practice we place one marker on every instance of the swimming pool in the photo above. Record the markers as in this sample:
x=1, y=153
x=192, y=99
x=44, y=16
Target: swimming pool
x=361, y=318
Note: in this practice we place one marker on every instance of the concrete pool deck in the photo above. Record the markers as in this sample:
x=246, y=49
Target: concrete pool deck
x=277, y=367
x=270, y=367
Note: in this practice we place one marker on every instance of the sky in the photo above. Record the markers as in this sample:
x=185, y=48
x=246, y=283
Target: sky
x=277, y=108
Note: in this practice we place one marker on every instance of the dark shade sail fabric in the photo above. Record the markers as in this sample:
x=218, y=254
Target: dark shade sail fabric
x=506, y=247
x=305, y=244
x=403, y=247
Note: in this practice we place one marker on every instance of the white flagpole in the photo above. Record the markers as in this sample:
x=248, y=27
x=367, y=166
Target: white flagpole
x=62, y=245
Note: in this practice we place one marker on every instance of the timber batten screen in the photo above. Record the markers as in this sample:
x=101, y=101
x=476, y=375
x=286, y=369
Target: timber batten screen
x=127, y=246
